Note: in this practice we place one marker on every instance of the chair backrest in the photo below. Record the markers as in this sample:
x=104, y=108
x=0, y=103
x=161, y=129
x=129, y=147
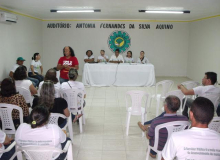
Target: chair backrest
x=26, y=93
x=72, y=97
x=58, y=75
x=39, y=152
x=177, y=93
x=215, y=124
x=190, y=84
x=54, y=118
x=6, y=118
x=136, y=101
x=171, y=127
x=166, y=86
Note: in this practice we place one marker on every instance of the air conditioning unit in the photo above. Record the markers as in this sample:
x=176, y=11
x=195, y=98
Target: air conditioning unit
x=8, y=17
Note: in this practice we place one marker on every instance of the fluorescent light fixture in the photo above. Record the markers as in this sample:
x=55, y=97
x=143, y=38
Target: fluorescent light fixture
x=76, y=11
x=164, y=11
x=171, y=12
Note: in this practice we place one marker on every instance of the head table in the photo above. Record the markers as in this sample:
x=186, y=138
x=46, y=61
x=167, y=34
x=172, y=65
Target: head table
x=124, y=74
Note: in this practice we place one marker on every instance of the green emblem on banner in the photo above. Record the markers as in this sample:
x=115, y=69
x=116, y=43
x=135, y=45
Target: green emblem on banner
x=119, y=40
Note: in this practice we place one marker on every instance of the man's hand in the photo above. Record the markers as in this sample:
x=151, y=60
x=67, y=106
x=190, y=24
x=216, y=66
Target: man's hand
x=7, y=140
x=148, y=137
x=179, y=86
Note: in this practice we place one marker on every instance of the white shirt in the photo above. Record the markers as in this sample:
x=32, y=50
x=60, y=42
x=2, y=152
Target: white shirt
x=2, y=140
x=145, y=60
x=36, y=65
x=23, y=83
x=114, y=58
x=128, y=60
x=102, y=58
x=56, y=87
x=193, y=144
x=211, y=92
x=15, y=67
x=48, y=135
x=91, y=57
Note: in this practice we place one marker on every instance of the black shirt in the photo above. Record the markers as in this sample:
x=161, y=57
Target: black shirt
x=59, y=106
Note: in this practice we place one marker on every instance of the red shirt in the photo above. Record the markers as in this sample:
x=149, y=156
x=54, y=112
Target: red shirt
x=72, y=62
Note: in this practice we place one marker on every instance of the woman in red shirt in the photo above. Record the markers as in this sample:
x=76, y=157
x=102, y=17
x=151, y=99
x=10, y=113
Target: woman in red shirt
x=66, y=62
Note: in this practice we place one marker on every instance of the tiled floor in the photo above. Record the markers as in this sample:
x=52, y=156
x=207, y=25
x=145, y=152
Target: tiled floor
x=104, y=135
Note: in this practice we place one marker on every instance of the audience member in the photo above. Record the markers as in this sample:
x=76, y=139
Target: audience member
x=208, y=90
x=199, y=142
x=10, y=96
x=142, y=59
x=20, y=62
x=20, y=76
x=51, y=75
x=35, y=66
x=66, y=62
x=40, y=133
x=171, y=105
x=89, y=57
x=5, y=142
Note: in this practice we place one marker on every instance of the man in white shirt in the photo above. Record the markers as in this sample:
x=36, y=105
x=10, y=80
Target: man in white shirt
x=20, y=61
x=208, y=90
x=117, y=58
x=102, y=57
x=199, y=142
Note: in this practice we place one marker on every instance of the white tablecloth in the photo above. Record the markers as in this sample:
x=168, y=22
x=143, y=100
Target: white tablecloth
x=124, y=74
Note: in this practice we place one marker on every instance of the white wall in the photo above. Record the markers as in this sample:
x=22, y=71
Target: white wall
x=204, y=48
x=166, y=49
x=23, y=38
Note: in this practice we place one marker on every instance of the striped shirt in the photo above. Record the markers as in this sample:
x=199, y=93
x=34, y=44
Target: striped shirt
x=163, y=132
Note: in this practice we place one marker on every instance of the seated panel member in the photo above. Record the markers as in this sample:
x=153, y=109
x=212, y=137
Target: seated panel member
x=102, y=57
x=116, y=58
x=142, y=59
x=89, y=57
x=128, y=58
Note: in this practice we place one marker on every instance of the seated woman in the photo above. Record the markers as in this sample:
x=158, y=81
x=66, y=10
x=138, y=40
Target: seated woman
x=89, y=57
x=128, y=58
x=20, y=76
x=142, y=59
x=54, y=105
x=35, y=65
x=52, y=76
x=5, y=142
x=72, y=83
x=102, y=57
x=9, y=95
x=39, y=133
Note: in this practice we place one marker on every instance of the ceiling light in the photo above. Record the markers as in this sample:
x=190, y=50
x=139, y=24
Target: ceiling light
x=164, y=11
x=76, y=11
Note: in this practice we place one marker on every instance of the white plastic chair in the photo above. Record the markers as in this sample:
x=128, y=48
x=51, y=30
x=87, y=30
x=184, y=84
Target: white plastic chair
x=171, y=127
x=43, y=152
x=159, y=96
x=136, y=109
x=54, y=120
x=189, y=85
x=178, y=94
x=26, y=93
x=8, y=149
x=215, y=124
x=71, y=96
x=6, y=118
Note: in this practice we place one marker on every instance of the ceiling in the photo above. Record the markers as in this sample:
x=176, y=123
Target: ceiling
x=114, y=9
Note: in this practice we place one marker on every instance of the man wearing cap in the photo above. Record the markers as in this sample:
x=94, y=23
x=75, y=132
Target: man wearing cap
x=20, y=61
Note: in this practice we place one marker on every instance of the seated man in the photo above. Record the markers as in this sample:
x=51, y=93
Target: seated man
x=171, y=105
x=20, y=62
x=102, y=57
x=199, y=142
x=208, y=90
x=117, y=58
